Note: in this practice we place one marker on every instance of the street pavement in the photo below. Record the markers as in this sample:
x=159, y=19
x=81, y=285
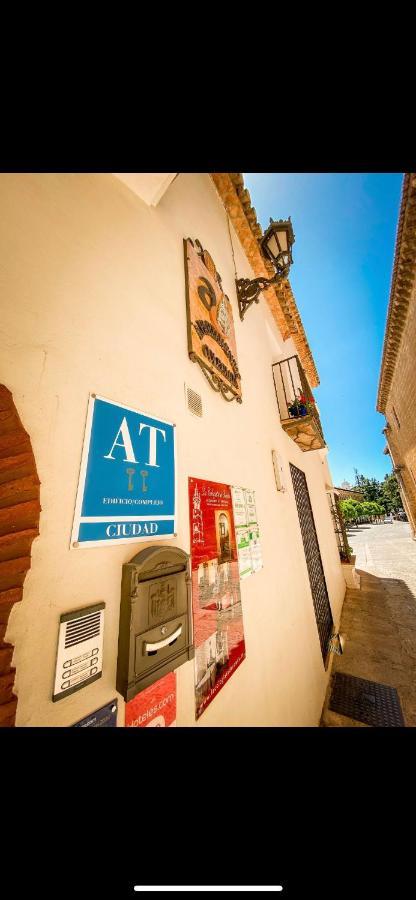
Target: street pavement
x=379, y=619
x=385, y=551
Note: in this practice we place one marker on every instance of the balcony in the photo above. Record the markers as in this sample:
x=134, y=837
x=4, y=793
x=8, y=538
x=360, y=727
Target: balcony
x=298, y=414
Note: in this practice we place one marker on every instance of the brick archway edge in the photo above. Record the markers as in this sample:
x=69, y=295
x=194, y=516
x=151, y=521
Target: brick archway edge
x=19, y=525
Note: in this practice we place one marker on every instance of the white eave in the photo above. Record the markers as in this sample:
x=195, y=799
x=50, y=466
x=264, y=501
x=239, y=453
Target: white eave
x=149, y=186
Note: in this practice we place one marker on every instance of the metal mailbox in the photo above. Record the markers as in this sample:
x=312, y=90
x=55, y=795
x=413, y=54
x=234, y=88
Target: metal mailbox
x=155, y=633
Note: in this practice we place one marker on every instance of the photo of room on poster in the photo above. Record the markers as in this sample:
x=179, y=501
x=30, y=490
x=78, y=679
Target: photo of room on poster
x=247, y=531
x=216, y=599
x=255, y=547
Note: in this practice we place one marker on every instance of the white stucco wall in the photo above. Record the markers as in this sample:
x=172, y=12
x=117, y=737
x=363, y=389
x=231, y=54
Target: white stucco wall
x=93, y=299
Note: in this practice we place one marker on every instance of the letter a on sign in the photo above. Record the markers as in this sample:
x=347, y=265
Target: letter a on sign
x=127, y=481
x=125, y=443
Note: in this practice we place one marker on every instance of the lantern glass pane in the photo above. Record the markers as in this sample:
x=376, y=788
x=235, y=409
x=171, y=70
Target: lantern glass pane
x=273, y=246
x=282, y=238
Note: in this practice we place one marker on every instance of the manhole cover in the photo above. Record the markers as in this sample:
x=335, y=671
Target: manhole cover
x=367, y=701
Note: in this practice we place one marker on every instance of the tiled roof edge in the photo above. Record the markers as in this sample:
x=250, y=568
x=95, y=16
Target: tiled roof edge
x=402, y=284
x=237, y=201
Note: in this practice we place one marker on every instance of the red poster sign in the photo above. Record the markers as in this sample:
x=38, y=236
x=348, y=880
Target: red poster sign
x=216, y=599
x=156, y=705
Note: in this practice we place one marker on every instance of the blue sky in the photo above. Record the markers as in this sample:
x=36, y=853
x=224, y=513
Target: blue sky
x=345, y=229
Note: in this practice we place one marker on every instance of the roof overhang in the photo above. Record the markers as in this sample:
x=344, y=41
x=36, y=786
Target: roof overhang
x=237, y=202
x=402, y=286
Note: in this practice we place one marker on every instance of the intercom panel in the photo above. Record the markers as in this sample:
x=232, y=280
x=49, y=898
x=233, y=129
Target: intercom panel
x=79, y=659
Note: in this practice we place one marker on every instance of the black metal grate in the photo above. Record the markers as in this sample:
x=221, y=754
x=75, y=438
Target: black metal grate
x=317, y=581
x=366, y=701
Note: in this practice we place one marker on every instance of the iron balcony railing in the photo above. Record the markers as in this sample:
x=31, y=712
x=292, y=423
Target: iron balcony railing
x=296, y=403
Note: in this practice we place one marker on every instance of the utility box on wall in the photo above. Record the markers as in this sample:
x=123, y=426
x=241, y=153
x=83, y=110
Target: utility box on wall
x=155, y=633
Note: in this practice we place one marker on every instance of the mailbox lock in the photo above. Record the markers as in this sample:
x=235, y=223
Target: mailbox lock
x=153, y=648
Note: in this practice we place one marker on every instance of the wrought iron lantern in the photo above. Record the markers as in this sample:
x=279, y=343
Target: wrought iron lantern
x=276, y=246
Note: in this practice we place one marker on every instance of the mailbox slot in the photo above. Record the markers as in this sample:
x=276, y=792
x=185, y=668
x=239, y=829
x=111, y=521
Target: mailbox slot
x=155, y=633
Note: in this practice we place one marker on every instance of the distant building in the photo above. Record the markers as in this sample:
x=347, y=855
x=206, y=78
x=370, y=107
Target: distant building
x=348, y=493
x=397, y=385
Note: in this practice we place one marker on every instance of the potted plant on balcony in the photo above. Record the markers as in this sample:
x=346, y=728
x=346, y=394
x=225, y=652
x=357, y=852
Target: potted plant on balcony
x=308, y=404
x=294, y=408
x=302, y=406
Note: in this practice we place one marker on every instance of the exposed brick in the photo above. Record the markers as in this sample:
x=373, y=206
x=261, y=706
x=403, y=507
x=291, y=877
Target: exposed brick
x=19, y=525
x=8, y=713
x=13, y=572
x=15, y=466
x=17, y=544
x=19, y=517
x=6, y=686
x=13, y=443
x=7, y=599
x=6, y=655
x=19, y=490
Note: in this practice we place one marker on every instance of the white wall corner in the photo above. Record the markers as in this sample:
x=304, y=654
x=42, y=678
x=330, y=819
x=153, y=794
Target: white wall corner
x=149, y=186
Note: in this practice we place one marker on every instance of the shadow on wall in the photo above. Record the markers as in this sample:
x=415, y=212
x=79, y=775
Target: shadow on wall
x=379, y=625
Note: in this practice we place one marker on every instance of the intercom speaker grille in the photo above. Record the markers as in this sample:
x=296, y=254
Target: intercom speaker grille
x=194, y=402
x=81, y=629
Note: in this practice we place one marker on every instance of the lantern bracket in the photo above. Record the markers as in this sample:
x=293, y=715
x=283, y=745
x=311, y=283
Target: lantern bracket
x=276, y=247
x=248, y=291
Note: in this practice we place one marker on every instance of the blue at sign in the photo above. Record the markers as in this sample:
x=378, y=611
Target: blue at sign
x=127, y=489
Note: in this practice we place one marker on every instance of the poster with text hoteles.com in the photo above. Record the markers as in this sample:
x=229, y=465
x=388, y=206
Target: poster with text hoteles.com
x=216, y=599
x=155, y=706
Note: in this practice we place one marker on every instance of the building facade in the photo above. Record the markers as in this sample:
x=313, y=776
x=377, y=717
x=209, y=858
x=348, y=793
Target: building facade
x=94, y=305
x=397, y=383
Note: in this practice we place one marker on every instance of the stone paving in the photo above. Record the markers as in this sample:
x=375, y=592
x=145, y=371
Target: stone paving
x=379, y=620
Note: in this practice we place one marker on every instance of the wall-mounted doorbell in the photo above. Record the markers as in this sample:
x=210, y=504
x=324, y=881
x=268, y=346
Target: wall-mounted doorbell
x=79, y=659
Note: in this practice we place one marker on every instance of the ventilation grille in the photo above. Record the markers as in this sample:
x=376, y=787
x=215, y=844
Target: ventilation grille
x=82, y=629
x=193, y=402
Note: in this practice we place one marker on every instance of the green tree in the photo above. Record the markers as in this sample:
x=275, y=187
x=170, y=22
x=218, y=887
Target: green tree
x=359, y=509
x=368, y=509
x=348, y=510
x=375, y=510
x=370, y=487
x=390, y=494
